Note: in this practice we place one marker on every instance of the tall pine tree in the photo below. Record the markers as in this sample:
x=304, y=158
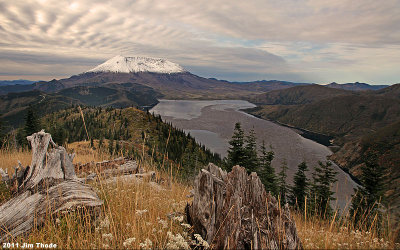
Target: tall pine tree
x=282, y=185
x=236, y=152
x=111, y=146
x=1, y=132
x=323, y=178
x=251, y=159
x=266, y=171
x=32, y=124
x=368, y=197
x=300, y=187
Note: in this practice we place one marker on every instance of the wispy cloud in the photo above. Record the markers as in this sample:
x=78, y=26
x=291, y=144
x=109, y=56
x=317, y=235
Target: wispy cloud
x=313, y=40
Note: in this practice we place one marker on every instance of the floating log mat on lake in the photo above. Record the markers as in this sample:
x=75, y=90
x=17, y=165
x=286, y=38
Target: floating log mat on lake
x=233, y=210
x=46, y=187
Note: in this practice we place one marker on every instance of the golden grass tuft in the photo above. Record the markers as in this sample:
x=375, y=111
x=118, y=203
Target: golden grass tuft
x=9, y=158
x=84, y=153
x=317, y=233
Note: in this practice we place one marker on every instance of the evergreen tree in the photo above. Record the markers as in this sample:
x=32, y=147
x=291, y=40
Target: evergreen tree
x=368, y=197
x=1, y=132
x=266, y=171
x=300, y=188
x=101, y=141
x=111, y=146
x=251, y=159
x=117, y=147
x=282, y=185
x=31, y=122
x=323, y=179
x=236, y=152
x=59, y=135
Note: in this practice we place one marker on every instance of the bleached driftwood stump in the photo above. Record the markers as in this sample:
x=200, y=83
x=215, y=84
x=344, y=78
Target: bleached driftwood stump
x=46, y=187
x=233, y=210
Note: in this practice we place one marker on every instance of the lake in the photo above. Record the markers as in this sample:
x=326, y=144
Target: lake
x=211, y=123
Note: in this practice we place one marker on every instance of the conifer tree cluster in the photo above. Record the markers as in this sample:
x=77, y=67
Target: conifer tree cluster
x=243, y=152
x=321, y=194
x=32, y=125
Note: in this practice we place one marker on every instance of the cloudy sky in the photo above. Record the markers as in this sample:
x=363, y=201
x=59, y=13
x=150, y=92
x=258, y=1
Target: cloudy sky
x=296, y=40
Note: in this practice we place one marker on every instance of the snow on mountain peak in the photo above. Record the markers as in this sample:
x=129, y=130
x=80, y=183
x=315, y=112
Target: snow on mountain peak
x=121, y=64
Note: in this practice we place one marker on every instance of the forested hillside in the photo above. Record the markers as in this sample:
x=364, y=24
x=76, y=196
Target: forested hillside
x=131, y=132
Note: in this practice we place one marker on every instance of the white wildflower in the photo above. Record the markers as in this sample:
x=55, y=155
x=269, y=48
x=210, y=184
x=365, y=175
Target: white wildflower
x=105, y=223
x=58, y=221
x=201, y=241
x=176, y=241
x=108, y=237
x=164, y=223
x=186, y=225
x=146, y=245
x=106, y=246
x=141, y=212
x=128, y=242
x=178, y=218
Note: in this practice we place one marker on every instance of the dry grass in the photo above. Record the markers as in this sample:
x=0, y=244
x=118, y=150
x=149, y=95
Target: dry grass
x=134, y=214
x=133, y=209
x=84, y=153
x=324, y=234
x=9, y=158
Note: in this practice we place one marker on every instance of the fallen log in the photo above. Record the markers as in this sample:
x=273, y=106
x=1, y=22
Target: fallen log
x=233, y=210
x=49, y=186
x=127, y=168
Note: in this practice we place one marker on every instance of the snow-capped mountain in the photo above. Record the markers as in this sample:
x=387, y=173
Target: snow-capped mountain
x=121, y=64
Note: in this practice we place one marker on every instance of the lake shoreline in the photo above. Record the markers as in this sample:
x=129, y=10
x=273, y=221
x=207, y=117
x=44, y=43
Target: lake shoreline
x=317, y=137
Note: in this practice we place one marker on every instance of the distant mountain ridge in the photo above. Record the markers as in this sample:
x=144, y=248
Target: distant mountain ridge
x=298, y=95
x=16, y=82
x=356, y=86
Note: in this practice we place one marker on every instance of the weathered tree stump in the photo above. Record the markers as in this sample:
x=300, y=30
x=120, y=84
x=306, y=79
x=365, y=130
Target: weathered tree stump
x=49, y=186
x=234, y=211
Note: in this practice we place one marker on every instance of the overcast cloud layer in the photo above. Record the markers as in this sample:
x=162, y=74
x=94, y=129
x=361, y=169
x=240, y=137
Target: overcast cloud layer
x=310, y=40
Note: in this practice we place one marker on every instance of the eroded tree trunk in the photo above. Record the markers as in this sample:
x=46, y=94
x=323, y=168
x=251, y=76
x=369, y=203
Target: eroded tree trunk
x=233, y=210
x=48, y=186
